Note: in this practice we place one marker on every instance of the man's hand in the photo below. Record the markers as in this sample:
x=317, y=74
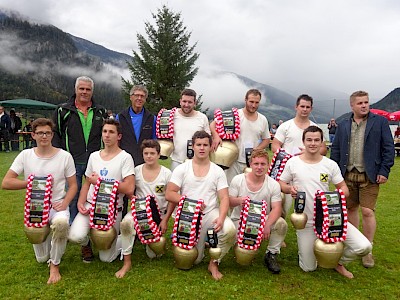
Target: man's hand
x=219, y=224
x=217, y=141
x=267, y=232
x=163, y=226
x=93, y=178
x=380, y=179
x=59, y=205
x=82, y=209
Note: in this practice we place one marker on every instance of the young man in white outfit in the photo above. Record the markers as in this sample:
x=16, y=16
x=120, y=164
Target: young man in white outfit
x=112, y=163
x=42, y=161
x=254, y=132
x=186, y=122
x=289, y=136
x=199, y=178
x=258, y=186
x=309, y=172
x=151, y=179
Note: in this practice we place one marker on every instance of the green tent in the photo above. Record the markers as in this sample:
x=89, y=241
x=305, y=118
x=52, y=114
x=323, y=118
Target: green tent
x=27, y=104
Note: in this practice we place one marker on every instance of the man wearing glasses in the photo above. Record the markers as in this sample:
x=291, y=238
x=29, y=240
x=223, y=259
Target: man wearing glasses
x=137, y=124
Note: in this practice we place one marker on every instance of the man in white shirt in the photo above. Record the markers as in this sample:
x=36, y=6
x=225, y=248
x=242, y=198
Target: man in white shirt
x=254, y=132
x=42, y=161
x=309, y=172
x=187, y=121
x=289, y=136
x=258, y=186
x=199, y=178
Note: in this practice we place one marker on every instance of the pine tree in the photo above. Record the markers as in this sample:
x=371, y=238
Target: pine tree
x=166, y=62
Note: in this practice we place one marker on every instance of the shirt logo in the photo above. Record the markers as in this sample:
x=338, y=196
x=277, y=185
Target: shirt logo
x=104, y=172
x=160, y=189
x=323, y=177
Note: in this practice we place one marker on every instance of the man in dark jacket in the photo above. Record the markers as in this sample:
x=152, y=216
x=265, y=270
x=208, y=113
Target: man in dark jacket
x=16, y=125
x=78, y=129
x=137, y=124
x=364, y=150
x=5, y=126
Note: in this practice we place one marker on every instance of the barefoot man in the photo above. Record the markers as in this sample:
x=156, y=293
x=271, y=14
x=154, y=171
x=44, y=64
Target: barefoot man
x=42, y=161
x=201, y=179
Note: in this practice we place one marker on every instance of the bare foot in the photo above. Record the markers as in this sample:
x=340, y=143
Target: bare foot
x=55, y=275
x=343, y=271
x=125, y=268
x=213, y=269
x=283, y=244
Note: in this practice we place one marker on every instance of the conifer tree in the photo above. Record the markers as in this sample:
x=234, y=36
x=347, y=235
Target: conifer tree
x=165, y=62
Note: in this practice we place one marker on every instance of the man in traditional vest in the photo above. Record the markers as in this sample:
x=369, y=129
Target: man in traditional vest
x=259, y=186
x=364, y=150
x=45, y=160
x=254, y=132
x=199, y=178
x=309, y=172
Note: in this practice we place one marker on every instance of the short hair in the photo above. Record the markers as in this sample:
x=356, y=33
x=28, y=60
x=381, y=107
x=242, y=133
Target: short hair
x=151, y=144
x=201, y=134
x=189, y=92
x=312, y=128
x=43, y=122
x=358, y=94
x=86, y=79
x=139, y=87
x=304, y=97
x=113, y=122
x=253, y=92
x=259, y=153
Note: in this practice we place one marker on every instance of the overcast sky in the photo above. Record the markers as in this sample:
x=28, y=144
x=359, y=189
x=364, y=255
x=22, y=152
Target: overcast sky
x=340, y=45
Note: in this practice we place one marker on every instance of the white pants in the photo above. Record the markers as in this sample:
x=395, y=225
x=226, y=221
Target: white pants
x=287, y=203
x=226, y=236
x=53, y=248
x=277, y=236
x=79, y=234
x=236, y=169
x=128, y=239
x=355, y=245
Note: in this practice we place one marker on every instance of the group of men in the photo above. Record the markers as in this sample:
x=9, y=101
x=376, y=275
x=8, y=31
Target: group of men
x=9, y=126
x=362, y=155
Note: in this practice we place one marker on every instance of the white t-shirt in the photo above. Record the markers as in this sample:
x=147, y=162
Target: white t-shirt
x=116, y=168
x=291, y=136
x=184, y=128
x=251, y=133
x=60, y=166
x=156, y=187
x=311, y=177
x=196, y=188
x=270, y=192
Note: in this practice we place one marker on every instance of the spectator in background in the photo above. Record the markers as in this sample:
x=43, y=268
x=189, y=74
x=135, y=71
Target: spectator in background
x=332, y=130
x=5, y=126
x=29, y=142
x=110, y=114
x=280, y=123
x=397, y=140
x=15, y=126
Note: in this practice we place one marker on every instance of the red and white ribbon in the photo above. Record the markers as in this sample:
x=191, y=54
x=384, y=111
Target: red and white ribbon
x=194, y=235
x=244, y=213
x=282, y=163
x=152, y=224
x=46, y=202
x=111, y=206
x=325, y=223
x=219, y=125
x=170, y=134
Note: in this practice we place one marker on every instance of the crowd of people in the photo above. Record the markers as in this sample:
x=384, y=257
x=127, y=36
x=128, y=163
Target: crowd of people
x=85, y=143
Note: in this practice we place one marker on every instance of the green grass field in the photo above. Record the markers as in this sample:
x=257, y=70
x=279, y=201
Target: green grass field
x=23, y=278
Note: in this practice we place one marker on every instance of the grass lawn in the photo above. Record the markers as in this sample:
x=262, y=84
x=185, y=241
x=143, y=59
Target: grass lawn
x=23, y=278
